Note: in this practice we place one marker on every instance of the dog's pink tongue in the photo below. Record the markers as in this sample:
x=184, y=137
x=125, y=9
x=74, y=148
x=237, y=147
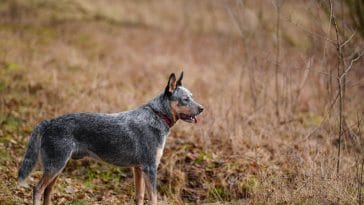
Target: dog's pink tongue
x=195, y=119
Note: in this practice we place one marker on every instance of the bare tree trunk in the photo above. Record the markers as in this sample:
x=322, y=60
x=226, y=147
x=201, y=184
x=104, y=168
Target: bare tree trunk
x=340, y=86
x=277, y=67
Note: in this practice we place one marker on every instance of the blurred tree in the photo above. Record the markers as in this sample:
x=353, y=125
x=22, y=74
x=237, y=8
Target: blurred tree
x=356, y=10
x=350, y=14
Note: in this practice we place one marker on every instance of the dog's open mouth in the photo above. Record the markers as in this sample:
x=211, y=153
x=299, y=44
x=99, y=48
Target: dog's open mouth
x=188, y=118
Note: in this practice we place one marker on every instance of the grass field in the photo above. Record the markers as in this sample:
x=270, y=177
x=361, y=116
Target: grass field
x=270, y=130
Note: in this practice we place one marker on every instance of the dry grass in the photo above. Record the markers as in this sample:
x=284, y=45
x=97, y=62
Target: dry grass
x=109, y=56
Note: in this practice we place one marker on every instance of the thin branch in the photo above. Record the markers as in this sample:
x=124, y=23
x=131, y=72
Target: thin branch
x=236, y=21
x=341, y=92
x=300, y=27
x=348, y=40
x=337, y=95
x=351, y=65
x=326, y=116
x=277, y=65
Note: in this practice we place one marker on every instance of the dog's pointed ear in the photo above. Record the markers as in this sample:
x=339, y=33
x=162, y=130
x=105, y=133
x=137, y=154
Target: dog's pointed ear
x=171, y=86
x=179, y=81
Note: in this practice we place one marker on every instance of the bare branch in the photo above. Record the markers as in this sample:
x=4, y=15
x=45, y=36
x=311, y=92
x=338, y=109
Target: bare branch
x=300, y=27
x=348, y=40
x=235, y=19
x=351, y=65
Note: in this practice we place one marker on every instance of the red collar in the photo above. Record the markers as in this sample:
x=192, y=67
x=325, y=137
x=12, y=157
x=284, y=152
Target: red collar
x=164, y=117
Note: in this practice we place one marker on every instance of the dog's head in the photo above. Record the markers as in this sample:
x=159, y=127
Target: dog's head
x=182, y=105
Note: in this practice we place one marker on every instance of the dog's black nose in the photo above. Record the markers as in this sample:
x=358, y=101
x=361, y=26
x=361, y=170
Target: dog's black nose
x=200, y=109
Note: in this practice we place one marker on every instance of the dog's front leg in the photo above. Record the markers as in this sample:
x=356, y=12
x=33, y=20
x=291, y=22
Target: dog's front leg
x=139, y=186
x=150, y=178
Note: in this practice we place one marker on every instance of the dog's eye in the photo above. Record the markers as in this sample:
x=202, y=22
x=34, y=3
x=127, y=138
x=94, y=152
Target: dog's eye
x=186, y=99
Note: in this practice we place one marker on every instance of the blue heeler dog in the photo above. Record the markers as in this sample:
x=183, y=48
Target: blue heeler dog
x=134, y=138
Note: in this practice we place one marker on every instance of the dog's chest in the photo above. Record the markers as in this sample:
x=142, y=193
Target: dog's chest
x=160, y=149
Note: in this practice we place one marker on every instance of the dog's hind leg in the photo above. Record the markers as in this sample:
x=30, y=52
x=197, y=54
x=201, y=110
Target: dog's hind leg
x=47, y=192
x=51, y=171
x=150, y=177
x=139, y=186
x=54, y=156
x=38, y=190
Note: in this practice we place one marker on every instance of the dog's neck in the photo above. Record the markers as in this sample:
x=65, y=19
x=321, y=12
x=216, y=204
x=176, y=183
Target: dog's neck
x=160, y=105
x=164, y=117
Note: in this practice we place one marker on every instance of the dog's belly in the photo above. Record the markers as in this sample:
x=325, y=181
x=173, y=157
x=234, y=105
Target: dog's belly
x=116, y=153
x=118, y=161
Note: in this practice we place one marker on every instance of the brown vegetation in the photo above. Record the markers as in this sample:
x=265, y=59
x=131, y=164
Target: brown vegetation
x=270, y=130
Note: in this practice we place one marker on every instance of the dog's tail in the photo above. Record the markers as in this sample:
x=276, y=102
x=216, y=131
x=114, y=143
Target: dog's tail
x=31, y=154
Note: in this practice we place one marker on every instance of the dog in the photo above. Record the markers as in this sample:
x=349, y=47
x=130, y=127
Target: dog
x=133, y=138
